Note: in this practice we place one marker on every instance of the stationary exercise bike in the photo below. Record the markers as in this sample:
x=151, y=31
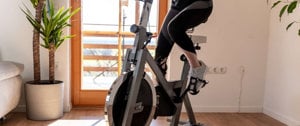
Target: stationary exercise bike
x=133, y=100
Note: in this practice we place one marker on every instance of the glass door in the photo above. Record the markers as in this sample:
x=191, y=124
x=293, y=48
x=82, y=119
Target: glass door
x=102, y=36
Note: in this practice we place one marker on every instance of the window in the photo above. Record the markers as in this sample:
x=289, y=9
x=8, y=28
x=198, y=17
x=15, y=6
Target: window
x=101, y=38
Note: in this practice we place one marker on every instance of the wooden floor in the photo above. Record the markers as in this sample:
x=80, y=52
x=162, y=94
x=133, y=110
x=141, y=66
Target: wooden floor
x=95, y=117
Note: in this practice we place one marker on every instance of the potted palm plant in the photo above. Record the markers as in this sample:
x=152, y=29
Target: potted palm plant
x=44, y=98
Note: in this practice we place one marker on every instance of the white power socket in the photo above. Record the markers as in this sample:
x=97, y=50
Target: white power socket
x=216, y=70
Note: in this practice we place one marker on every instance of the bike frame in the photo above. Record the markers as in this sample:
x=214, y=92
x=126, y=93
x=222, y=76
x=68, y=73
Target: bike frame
x=135, y=61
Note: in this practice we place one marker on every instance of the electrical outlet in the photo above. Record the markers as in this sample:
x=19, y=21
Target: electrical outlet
x=209, y=70
x=223, y=70
x=216, y=70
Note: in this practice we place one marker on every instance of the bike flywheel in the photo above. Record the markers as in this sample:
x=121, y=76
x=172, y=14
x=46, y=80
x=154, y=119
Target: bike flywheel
x=117, y=98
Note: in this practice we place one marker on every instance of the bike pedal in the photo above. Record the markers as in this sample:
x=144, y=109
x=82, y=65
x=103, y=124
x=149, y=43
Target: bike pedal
x=193, y=87
x=194, y=92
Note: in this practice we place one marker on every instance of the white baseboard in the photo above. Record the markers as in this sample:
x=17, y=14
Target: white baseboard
x=22, y=108
x=251, y=109
x=243, y=109
x=280, y=117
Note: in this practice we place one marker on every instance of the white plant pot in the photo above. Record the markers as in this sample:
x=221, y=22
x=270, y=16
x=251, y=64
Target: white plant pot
x=44, y=101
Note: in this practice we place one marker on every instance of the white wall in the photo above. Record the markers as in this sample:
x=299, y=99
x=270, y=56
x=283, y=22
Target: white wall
x=237, y=38
x=237, y=35
x=283, y=70
x=15, y=36
x=16, y=45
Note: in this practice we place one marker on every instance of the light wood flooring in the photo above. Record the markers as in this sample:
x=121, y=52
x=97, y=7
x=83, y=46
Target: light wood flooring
x=95, y=117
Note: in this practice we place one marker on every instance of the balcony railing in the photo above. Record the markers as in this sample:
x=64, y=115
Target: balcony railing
x=104, y=57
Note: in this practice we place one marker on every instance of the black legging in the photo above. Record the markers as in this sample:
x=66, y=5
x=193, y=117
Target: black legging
x=179, y=19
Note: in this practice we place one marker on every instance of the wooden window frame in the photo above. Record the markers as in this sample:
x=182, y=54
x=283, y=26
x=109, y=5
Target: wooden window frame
x=81, y=97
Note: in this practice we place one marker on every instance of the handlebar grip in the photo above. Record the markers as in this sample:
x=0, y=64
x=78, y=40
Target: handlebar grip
x=134, y=28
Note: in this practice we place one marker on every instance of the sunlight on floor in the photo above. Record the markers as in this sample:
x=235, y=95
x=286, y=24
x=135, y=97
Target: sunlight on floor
x=91, y=122
x=63, y=122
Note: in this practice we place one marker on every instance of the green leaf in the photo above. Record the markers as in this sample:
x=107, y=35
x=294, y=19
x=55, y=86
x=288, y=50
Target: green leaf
x=51, y=8
x=52, y=24
x=34, y=3
x=75, y=11
x=44, y=16
x=287, y=28
x=282, y=11
x=292, y=6
x=31, y=19
x=276, y=3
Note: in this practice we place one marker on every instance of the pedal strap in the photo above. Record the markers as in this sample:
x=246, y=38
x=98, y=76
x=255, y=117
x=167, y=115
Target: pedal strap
x=192, y=88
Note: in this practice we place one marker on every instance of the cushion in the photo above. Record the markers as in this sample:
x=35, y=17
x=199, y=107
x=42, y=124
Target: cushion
x=10, y=69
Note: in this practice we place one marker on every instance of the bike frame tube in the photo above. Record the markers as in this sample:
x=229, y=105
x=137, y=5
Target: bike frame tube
x=136, y=57
x=139, y=56
x=134, y=89
x=186, y=100
x=159, y=75
x=141, y=36
x=144, y=57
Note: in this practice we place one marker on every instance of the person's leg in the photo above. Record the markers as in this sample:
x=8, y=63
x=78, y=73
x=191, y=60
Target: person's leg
x=177, y=29
x=192, y=58
x=162, y=52
x=164, y=42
